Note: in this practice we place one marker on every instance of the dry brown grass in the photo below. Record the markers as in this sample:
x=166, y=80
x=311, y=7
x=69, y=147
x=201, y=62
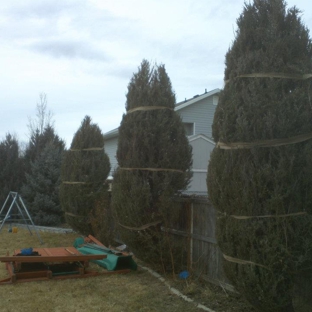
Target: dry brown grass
x=136, y=291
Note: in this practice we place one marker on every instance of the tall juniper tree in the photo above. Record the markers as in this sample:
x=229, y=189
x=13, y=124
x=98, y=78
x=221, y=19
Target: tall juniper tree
x=260, y=186
x=85, y=168
x=154, y=159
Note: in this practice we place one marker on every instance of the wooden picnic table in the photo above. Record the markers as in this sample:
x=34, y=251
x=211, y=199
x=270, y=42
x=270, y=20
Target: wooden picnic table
x=58, y=254
x=56, y=263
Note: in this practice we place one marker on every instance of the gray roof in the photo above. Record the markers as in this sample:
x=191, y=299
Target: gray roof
x=195, y=99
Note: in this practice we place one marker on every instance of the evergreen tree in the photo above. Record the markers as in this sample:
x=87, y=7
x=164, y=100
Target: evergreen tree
x=85, y=168
x=42, y=161
x=154, y=159
x=38, y=141
x=11, y=164
x=41, y=131
x=41, y=192
x=269, y=187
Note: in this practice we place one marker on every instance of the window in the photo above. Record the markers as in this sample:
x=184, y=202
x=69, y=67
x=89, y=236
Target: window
x=215, y=100
x=189, y=128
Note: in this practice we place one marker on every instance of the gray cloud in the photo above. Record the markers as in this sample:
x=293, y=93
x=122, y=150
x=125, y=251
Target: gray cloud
x=35, y=25
x=70, y=50
x=44, y=9
x=80, y=14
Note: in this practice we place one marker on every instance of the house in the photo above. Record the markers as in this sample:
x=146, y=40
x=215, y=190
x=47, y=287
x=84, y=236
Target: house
x=197, y=116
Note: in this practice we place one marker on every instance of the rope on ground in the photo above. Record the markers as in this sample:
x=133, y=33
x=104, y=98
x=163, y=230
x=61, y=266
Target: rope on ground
x=175, y=291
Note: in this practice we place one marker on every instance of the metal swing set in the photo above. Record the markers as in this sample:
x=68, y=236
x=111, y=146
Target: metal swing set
x=14, y=210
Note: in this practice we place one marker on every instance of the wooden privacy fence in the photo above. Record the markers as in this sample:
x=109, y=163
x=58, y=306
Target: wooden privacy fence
x=192, y=230
x=196, y=226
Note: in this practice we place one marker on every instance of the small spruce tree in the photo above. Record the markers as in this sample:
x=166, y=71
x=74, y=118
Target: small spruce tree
x=268, y=185
x=41, y=190
x=85, y=168
x=154, y=159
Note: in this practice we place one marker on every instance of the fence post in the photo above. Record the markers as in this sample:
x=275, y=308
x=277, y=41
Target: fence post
x=190, y=236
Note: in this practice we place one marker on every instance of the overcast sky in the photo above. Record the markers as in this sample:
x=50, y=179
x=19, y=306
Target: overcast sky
x=82, y=54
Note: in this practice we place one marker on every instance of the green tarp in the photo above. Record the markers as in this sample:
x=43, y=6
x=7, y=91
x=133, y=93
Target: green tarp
x=114, y=261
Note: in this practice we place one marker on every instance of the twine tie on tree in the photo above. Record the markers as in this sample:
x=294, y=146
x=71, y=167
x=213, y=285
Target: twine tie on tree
x=148, y=108
x=141, y=228
x=82, y=183
x=265, y=143
x=295, y=214
x=273, y=75
x=74, y=215
x=240, y=261
x=68, y=182
x=153, y=169
x=87, y=149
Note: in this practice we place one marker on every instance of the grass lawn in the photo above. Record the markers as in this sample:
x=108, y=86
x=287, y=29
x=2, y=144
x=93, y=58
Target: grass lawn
x=135, y=291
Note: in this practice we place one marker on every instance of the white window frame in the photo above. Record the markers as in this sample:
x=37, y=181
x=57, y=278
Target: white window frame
x=185, y=124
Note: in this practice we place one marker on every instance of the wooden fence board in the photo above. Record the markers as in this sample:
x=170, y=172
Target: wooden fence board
x=203, y=254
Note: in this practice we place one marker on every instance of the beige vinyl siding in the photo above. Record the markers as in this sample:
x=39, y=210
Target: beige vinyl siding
x=201, y=155
x=111, y=149
x=201, y=114
x=201, y=152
